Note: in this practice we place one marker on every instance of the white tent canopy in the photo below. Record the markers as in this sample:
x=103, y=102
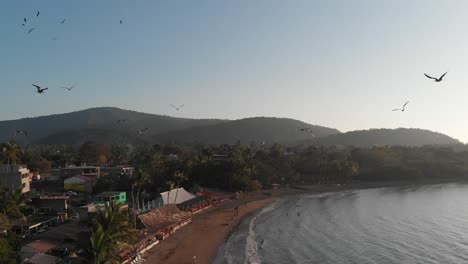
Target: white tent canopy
x=181, y=193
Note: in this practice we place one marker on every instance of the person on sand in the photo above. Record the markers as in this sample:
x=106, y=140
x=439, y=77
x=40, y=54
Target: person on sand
x=237, y=210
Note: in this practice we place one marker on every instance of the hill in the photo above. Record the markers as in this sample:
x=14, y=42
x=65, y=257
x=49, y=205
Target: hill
x=257, y=129
x=99, y=124
x=382, y=137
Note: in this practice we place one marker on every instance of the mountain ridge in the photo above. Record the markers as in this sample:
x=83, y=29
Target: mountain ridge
x=99, y=124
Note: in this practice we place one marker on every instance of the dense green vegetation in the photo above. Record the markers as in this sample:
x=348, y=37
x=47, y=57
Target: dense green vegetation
x=238, y=167
x=228, y=167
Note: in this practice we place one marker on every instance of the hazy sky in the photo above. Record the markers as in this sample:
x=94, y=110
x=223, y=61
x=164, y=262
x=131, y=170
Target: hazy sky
x=343, y=64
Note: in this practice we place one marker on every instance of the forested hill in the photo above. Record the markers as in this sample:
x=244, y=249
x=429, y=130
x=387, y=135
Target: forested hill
x=100, y=125
x=382, y=137
x=266, y=130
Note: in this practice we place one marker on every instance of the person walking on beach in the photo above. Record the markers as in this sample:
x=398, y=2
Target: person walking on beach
x=237, y=210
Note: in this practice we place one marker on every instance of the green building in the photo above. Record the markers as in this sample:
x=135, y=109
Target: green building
x=120, y=197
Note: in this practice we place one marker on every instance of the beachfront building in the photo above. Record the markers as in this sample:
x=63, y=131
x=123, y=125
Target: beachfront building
x=79, y=183
x=120, y=197
x=176, y=196
x=15, y=176
x=52, y=204
x=83, y=170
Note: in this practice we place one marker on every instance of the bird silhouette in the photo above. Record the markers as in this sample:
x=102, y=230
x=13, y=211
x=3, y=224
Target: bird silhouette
x=143, y=130
x=39, y=89
x=402, y=109
x=121, y=121
x=68, y=88
x=63, y=21
x=24, y=19
x=177, y=108
x=436, y=79
x=21, y=132
x=38, y=13
x=304, y=129
x=31, y=30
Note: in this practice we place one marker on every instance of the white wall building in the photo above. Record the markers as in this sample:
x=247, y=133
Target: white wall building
x=15, y=176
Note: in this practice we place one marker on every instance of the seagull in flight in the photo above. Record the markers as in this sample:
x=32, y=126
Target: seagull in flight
x=31, y=30
x=436, y=79
x=21, y=132
x=143, y=130
x=177, y=108
x=304, y=129
x=39, y=89
x=38, y=13
x=68, y=88
x=403, y=109
x=63, y=21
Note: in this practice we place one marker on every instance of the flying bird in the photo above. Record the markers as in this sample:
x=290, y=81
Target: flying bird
x=304, y=129
x=121, y=121
x=21, y=132
x=403, y=109
x=68, y=88
x=31, y=30
x=37, y=13
x=177, y=108
x=143, y=130
x=63, y=21
x=436, y=79
x=39, y=89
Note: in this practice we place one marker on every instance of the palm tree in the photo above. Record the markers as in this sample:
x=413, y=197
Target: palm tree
x=179, y=177
x=141, y=178
x=171, y=185
x=10, y=155
x=112, y=230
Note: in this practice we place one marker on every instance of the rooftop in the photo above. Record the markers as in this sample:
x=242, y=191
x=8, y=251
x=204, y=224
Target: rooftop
x=106, y=194
x=79, y=167
x=61, y=197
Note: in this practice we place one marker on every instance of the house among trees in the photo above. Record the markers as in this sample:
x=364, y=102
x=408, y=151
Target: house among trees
x=120, y=197
x=79, y=183
x=52, y=204
x=83, y=170
x=15, y=176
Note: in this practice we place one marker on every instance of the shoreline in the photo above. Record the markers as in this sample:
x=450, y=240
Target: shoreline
x=209, y=229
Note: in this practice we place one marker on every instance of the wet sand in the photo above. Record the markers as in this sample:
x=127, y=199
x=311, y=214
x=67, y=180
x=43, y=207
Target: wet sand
x=206, y=233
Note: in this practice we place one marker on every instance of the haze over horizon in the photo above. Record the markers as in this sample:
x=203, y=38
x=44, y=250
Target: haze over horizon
x=338, y=64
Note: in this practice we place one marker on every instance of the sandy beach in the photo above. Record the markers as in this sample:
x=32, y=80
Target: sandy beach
x=206, y=233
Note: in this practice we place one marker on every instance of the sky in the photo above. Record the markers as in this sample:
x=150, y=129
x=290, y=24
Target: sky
x=337, y=63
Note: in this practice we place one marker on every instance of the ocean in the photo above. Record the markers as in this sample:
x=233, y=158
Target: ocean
x=413, y=224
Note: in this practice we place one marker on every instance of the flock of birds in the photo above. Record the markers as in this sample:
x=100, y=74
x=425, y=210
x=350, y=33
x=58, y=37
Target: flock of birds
x=428, y=76
x=41, y=90
x=27, y=21
x=309, y=130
